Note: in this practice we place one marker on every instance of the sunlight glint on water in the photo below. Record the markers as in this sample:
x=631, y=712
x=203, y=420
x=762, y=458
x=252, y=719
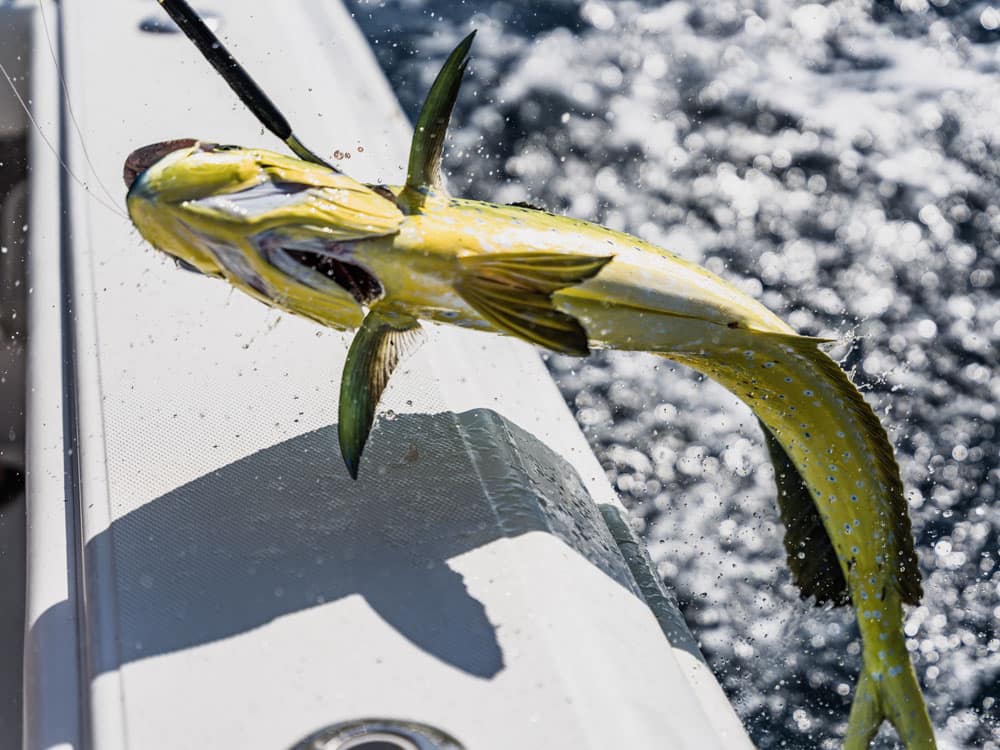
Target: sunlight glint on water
x=837, y=161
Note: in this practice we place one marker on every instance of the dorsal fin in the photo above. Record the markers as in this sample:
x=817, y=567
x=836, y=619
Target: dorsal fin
x=528, y=206
x=424, y=170
x=811, y=555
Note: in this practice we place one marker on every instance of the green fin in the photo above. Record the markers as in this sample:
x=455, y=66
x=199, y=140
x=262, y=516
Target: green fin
x=895, y=698
x=514, y=292
x=424, y=169
x=816, y=572
x=379, y=345
x=866, y=714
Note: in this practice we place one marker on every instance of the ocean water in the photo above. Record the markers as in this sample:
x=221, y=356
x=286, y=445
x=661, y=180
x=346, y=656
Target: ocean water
x=837, y=161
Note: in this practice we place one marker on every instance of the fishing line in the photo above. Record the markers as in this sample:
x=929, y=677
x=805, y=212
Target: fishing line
x=69, y=107
x=55, y=152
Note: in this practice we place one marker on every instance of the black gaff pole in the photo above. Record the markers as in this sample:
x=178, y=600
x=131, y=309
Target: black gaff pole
x=237, y=77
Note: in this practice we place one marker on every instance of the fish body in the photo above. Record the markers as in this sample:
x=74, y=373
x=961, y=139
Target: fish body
x=301, y=236
x=642, y=276
x=271, y=203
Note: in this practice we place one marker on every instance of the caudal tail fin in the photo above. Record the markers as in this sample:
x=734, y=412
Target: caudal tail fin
x=893, y=696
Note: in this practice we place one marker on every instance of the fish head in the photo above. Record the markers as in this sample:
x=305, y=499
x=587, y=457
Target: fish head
x=283, y=230
x=163, y=177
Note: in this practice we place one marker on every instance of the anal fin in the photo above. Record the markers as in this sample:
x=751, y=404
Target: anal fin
x=514, y=292
x=382, y=341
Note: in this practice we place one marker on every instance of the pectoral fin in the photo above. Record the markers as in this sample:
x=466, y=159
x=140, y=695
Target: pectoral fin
x=514, y=292
x=379, y=345
x=424, y=168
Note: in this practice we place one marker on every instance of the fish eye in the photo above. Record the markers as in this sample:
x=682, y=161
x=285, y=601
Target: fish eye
x=211, y=147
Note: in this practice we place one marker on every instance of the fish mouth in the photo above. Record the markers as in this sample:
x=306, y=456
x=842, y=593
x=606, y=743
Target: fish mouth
x=143, y=158
x=352, y=278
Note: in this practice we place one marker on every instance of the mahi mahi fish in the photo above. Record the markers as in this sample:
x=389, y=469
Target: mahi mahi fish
x=299, y=235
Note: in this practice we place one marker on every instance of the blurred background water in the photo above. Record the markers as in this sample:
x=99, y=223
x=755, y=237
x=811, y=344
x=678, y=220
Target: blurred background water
x=840, y=163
